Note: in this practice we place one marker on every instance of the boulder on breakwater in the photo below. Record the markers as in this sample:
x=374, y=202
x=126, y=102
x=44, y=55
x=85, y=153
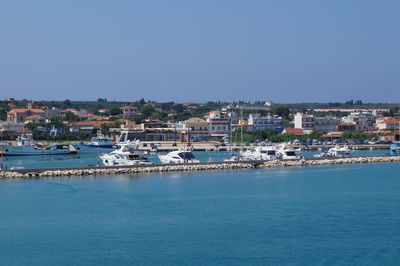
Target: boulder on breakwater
x=329, y=161
x=123, y=170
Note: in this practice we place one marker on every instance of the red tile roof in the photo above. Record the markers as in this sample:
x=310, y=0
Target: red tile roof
x=33, y=116
x=23, y=110
x=195, y=120
x=294, y=131
x=390, y=121
x=90, y=123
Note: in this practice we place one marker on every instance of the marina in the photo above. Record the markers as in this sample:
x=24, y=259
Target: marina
x=149, y=168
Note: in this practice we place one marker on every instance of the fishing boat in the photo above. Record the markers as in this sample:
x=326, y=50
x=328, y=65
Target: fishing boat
x=25, y=140
x=38, y=149
x=124, y=156
x=177, y=157
x=100, y=141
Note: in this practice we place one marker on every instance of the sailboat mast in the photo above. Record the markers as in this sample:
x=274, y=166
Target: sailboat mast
x=241, y=128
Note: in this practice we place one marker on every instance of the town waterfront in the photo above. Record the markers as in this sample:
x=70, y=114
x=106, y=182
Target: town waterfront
x=330, y=215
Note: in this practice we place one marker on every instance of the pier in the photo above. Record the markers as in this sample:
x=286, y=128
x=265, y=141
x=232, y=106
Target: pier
x=159, y=168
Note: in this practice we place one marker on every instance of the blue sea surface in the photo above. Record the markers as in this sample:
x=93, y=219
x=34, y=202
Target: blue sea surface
x=329, y=215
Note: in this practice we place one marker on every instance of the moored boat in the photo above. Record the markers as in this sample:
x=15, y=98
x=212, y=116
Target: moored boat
x=337, y=151
x=100, y=141
x=117, y=159
x=261, y=153
x=288, y=153
x=177, y=157
x=29, y=150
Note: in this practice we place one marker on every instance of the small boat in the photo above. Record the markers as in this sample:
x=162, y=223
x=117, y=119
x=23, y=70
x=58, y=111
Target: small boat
x=179, y=156
x=395, y=147
x=124, y=156
x=234, y=157
x=323, y=154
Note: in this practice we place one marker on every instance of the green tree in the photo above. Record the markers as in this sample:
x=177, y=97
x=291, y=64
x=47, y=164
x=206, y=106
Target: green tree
x=179, y=108
x=280, y=110
x=56, y=121
x=70, y=117
x=115, y=111
x=67, y=103
x=105, y=128
x=31, y=126
x=3, y=114
x=147, y=110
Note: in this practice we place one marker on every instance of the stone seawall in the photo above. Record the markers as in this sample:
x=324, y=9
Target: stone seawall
x=32, y=173
x=330, y=161
x=94, y=171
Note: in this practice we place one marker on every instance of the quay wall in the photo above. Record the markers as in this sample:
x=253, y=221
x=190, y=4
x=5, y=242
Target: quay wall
x=115, y=170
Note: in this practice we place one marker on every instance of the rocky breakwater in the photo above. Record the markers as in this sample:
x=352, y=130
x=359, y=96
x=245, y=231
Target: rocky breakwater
x=95, y=171
x=329, y=161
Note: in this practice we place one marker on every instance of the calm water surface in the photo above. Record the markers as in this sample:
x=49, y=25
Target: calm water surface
x=331, y=215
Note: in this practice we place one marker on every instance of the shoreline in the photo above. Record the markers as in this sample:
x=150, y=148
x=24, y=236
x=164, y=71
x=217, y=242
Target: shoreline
x=159, y=168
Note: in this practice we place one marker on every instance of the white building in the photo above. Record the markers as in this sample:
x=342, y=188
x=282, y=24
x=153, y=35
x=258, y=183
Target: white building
x=304, y=121
x=129, y=110
x=258, y=122
x=320, y=124
x=326, y=124
x=361, y=120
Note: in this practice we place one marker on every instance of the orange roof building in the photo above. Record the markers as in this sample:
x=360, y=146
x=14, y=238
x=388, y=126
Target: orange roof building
x=20, y=115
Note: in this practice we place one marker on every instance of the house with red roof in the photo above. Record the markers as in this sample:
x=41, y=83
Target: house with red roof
x=20, y=115
x=388, y=124
x=37, y=119
x=129, y=110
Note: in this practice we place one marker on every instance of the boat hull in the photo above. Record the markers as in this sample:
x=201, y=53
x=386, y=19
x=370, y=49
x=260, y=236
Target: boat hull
x=32, y=151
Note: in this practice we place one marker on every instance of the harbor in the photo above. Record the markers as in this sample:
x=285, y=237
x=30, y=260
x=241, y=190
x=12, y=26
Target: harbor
x=159, y=168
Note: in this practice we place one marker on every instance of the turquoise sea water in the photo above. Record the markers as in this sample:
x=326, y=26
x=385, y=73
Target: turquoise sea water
x=330, y=215
x=86, y=159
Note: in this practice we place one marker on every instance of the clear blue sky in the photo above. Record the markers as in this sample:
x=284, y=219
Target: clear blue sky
x=170, y=50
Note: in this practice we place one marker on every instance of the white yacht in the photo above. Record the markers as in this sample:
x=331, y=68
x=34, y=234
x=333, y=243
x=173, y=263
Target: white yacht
x=124, y=156
x=261, y=153
x=336, y=151
x=179, y=156
x=288, y=153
